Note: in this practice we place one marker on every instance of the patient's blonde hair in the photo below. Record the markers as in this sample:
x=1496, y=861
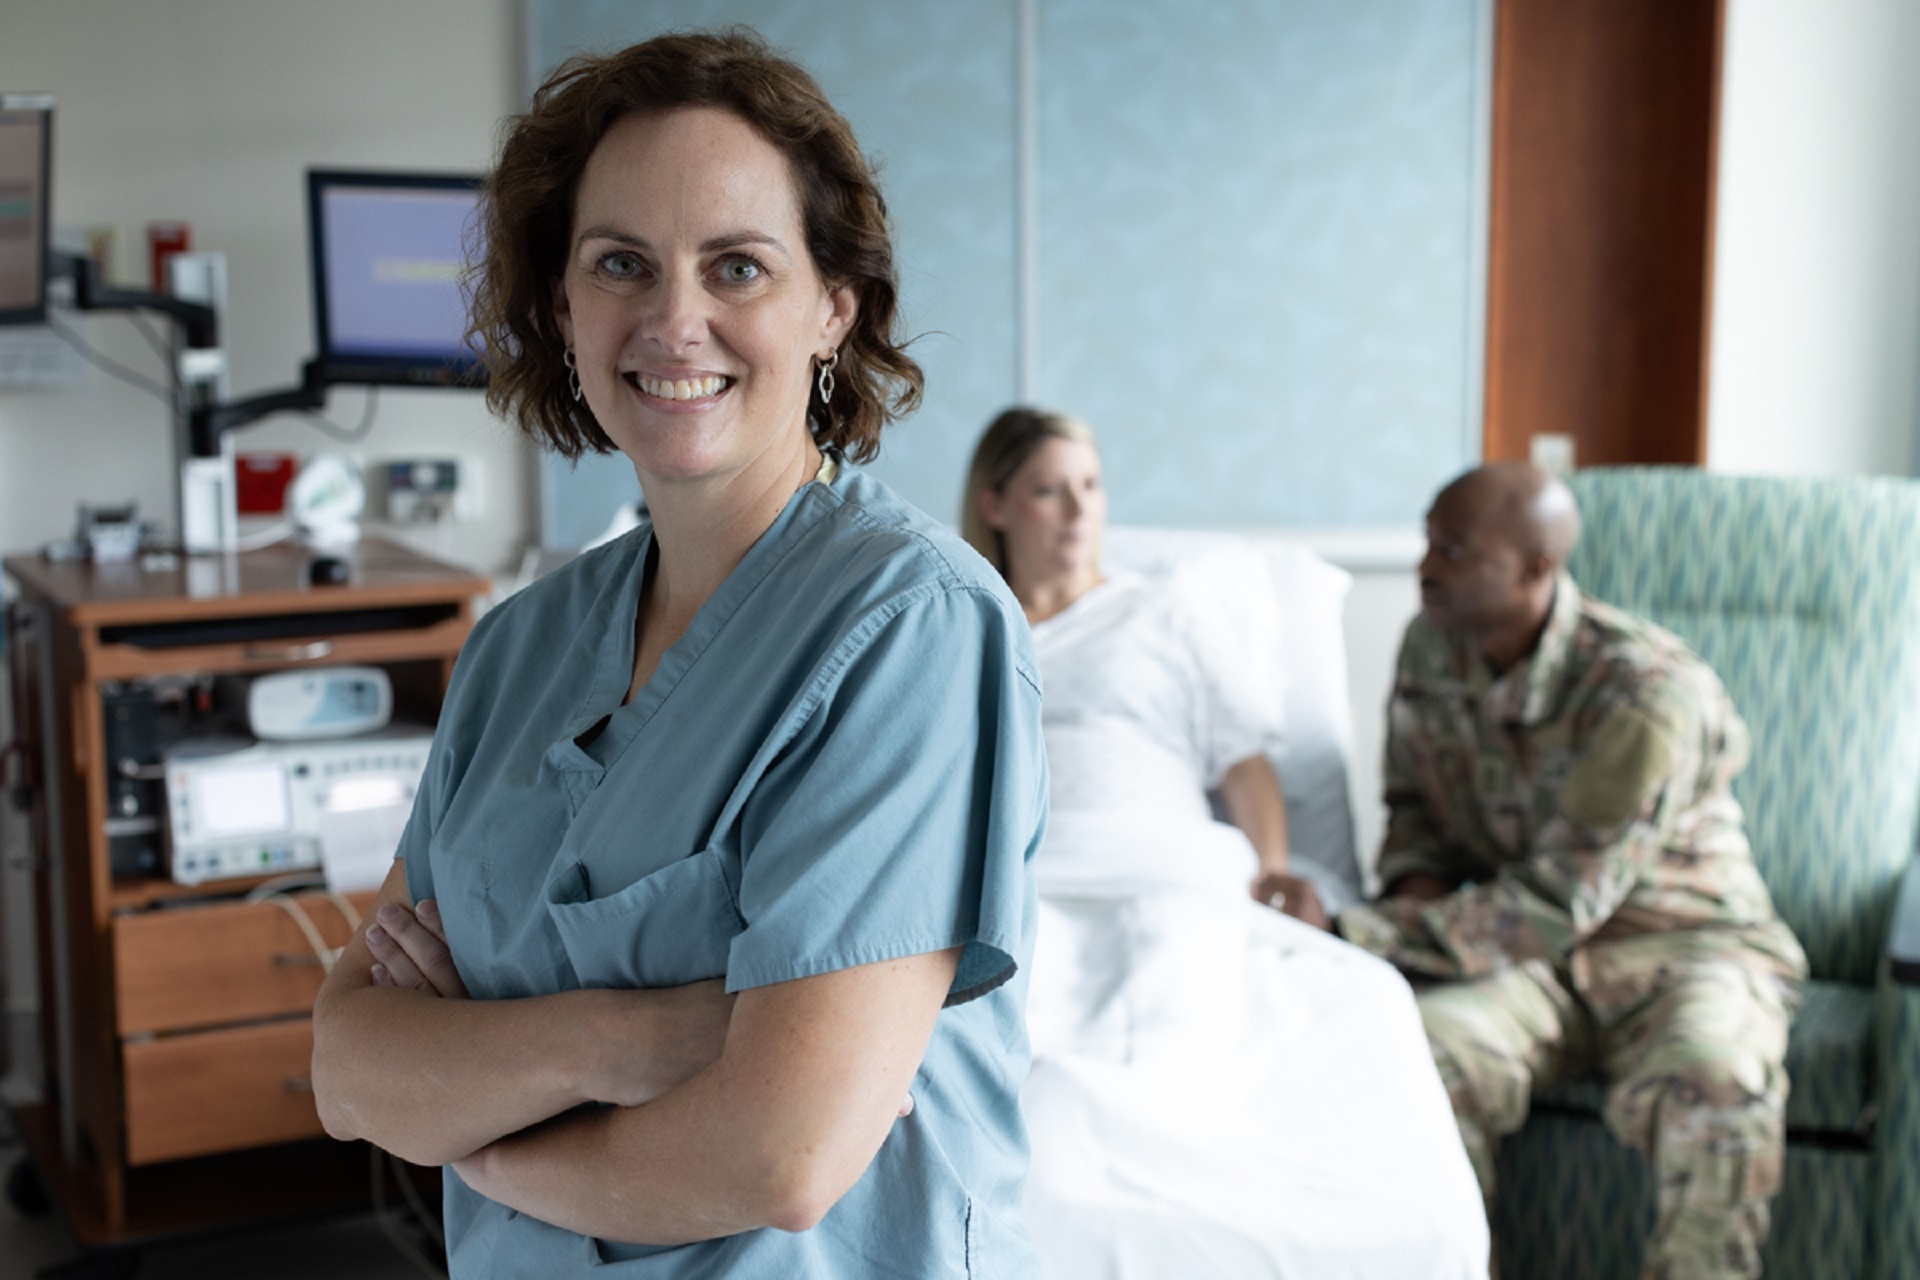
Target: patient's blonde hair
x=1009, y=441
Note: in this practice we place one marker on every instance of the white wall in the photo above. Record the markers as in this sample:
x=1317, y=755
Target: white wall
x=1815, y=356
x=210, y=111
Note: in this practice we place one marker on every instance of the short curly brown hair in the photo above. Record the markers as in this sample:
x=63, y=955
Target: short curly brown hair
x=527, y=219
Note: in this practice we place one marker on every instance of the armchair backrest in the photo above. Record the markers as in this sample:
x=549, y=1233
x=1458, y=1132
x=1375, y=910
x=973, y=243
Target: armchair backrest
x=1804, y=595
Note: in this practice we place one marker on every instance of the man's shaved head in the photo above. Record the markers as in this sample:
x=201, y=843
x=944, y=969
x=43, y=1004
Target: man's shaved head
x=1497, y=539
x=1532, y=508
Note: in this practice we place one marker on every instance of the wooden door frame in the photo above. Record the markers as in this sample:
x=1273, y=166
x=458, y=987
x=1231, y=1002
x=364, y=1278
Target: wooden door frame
x=1600, y=227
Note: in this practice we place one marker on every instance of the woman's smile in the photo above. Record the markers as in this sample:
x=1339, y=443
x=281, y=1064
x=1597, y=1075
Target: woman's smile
x=682, y=389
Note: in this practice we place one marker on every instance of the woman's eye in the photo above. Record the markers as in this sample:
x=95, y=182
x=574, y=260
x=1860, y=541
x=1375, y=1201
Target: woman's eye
x=620, y=264
x=740, y=271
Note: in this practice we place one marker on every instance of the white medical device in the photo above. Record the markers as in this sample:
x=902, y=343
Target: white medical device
x=239, y=808
x=326, y=702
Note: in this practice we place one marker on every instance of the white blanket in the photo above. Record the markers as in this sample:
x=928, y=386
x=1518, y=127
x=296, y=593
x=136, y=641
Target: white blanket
x=1220, y=1091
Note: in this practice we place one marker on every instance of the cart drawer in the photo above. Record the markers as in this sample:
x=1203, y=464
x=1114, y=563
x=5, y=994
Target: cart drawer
x=203, y=966
x=194, y=1095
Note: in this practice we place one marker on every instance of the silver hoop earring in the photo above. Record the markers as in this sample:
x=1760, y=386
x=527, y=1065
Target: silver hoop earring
x=826, y=375
x=573, y=373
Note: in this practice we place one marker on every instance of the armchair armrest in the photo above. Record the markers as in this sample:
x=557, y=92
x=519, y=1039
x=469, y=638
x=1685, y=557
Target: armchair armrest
x=1903, y=932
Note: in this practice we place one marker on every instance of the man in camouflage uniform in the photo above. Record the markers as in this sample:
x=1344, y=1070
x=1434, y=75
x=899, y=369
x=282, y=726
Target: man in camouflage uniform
x=1566, y=875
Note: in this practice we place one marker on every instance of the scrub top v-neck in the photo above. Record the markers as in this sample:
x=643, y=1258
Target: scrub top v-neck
x=838, y=763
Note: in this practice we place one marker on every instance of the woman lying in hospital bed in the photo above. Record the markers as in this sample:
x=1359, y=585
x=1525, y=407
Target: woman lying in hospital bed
x=1218, y=1089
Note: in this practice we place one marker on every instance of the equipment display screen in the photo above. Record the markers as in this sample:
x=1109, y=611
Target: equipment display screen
x=241, y=800
x=390, y=251
x=26, y=125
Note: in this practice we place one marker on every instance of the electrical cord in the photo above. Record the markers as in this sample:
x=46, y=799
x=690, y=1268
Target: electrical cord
x=428, y=1220
x=147, y=331
x=383, y=1215
x=279, y=531
x=287, y=883
x=276, y=891
x=160, y=391
x=325, y=954
x=327, y=426
x=131, y=377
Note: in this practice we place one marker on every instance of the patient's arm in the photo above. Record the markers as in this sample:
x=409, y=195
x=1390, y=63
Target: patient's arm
x=1255, y=804
x=433, y=1079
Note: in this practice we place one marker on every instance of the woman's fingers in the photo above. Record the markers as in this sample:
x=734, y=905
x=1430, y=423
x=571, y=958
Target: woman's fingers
x=427, y=912
x=410, y=946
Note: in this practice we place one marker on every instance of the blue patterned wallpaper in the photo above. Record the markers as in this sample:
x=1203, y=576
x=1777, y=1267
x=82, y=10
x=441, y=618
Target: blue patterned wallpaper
x=1259, y=263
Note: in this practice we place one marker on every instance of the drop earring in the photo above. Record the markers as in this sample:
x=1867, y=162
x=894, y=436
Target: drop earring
x=573, y=373
x=826, y=375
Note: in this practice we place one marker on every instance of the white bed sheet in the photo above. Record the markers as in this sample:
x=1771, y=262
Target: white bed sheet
x=1219, y=1091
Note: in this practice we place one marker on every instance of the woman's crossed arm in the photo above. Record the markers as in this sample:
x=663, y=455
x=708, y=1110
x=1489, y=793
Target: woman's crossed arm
x=727, y=1113
x=434, y=1079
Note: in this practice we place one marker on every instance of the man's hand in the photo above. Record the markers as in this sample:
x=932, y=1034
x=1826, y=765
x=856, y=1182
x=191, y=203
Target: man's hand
x=1422, y=885
x=1291, y=895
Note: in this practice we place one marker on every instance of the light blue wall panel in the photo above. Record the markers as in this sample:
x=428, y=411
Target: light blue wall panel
x=928, y=89
x=1258, y=259
x=1260, y=251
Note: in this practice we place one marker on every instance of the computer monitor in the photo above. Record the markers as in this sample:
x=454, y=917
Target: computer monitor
x=389, y=251
x=26, y=205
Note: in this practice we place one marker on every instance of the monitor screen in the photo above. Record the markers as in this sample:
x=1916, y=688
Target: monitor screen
x=26, y=198
x=389, y=252
x=247, y=799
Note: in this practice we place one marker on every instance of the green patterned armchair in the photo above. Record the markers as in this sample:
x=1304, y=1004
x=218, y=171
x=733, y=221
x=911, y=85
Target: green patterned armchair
x=1804, y=594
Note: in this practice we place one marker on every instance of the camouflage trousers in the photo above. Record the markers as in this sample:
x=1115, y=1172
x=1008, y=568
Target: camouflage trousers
x=1688, y=1030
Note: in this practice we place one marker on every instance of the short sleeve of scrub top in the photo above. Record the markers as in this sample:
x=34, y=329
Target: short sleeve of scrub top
x=855, y=842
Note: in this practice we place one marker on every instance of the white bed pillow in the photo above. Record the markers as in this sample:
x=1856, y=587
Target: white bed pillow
x=1291, y=604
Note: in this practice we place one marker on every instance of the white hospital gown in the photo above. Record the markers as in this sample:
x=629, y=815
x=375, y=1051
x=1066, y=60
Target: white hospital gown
x=1217, y=1090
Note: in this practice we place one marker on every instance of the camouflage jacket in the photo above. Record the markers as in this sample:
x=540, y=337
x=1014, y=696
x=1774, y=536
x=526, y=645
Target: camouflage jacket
x=1579, y=798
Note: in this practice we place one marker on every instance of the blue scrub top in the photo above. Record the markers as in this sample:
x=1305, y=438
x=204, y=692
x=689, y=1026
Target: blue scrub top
x=840, y=762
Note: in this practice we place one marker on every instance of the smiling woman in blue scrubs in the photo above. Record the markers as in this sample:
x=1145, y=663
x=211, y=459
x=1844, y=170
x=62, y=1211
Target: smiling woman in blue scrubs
x=722, y=850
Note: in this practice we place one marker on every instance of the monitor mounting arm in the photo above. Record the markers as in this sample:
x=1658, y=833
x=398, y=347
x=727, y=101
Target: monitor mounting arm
x=207, y=423
x=199, y=323
x=207, y=521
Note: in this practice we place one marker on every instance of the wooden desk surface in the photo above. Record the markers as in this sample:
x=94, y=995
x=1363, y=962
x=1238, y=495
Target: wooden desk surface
x=270, y=580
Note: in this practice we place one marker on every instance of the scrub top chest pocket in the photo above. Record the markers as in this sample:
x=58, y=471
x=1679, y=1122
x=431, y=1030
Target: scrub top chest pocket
x=665, y=929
